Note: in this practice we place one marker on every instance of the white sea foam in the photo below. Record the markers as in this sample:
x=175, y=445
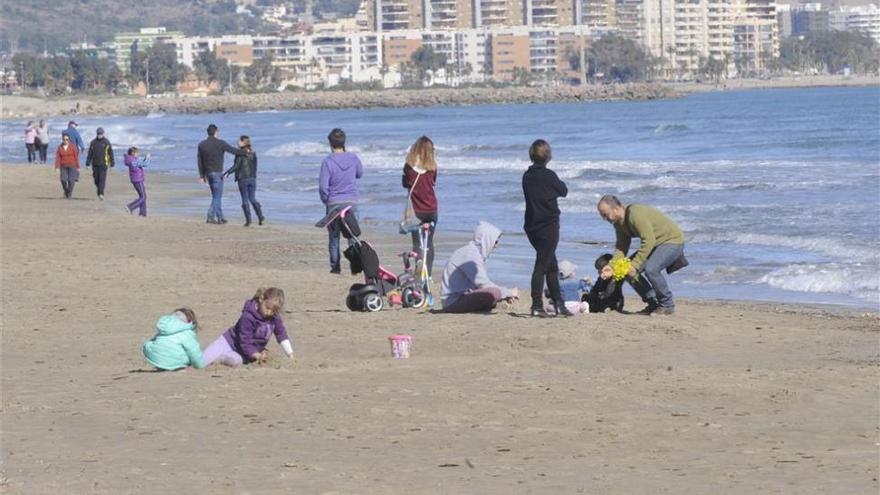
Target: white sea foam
x=155, y=115
x=290, y=123
x=836, y=248
x=854, y=279
x=298, y=148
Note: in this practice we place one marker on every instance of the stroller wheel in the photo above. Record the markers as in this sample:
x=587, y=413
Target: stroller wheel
x=413, y=298
x=373, y=302
x=352, y=304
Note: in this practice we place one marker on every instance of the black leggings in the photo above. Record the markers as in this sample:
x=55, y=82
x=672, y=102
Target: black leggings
x=546, y=267
x=32, y=154
x=426, y=218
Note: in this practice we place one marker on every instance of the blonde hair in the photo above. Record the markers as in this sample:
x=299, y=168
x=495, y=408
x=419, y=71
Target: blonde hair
x=190, y=316
x=421, y=154
x=273, y=297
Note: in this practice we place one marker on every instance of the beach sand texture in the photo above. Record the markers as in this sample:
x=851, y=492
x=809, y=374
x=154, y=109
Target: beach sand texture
x=720, y=398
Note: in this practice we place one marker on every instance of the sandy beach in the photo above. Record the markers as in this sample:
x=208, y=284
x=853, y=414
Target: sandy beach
x=723, y=397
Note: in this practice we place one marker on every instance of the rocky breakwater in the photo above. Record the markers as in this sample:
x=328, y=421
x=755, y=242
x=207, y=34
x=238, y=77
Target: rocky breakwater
x=394, y=98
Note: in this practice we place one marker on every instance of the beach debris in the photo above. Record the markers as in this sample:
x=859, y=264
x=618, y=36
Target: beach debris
x=448, y=465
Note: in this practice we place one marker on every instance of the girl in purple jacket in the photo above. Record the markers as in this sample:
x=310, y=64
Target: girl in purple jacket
x=136, y=166
x=246, y=341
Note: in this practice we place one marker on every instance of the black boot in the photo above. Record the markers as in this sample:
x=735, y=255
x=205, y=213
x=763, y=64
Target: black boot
x=247, y=215
x=258, y=208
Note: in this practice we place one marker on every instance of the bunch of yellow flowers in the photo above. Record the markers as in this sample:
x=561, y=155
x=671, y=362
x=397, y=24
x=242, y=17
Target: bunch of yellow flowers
x=620, y=268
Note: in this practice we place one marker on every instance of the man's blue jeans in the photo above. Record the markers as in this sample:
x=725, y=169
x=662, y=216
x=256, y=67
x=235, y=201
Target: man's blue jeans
x=215, y=182
x=652, y=284
x=334, y=231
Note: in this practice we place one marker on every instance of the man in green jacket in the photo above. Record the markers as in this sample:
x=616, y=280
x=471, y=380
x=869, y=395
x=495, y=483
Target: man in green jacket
x=662, y=247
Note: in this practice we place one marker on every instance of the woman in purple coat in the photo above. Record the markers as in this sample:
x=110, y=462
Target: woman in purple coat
x=246, y=341
x=136, y=166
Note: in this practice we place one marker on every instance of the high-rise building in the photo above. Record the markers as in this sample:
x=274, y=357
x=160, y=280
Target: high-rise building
x=597, y=14
x=864, y=19
x=129, y=43
x=810, y=18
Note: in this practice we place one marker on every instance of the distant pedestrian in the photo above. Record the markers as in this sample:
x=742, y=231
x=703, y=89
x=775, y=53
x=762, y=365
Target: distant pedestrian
x=43, y=138
x=75, y=138
x=245, y=170
x=30, y=136
x=210, y=161
x=67, y=162
x=337, y=186
x=100, y=158
x=136, y=166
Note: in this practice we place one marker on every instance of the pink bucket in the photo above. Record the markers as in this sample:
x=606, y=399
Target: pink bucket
x=401, y=345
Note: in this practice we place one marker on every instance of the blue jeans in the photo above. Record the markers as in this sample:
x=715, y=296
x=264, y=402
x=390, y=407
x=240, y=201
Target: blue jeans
x=248, y=190
x=652, y=284
x=334, y=232
x=215, y=182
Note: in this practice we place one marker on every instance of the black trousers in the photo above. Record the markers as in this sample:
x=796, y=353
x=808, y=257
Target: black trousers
x=99, y=173
x=546, y=267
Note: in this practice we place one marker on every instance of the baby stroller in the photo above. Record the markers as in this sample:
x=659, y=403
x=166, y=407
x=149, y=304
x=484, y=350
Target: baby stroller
x=378, y=280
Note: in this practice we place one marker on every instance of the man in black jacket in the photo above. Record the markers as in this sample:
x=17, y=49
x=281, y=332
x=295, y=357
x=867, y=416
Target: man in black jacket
x=100, y=157
x=210, y=158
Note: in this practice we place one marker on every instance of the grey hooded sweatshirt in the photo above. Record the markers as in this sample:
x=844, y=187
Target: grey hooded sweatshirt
x=466, y=269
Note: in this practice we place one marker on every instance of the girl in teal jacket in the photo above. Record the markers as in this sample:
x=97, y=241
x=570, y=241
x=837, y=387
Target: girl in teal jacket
x=175, y=345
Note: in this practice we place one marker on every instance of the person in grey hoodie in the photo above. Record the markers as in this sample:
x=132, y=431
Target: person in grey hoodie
x=337, y=185
x=466, y=287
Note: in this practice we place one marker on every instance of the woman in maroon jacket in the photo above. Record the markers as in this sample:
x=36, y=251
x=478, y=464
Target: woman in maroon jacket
x=67, y=160
x=420, y=176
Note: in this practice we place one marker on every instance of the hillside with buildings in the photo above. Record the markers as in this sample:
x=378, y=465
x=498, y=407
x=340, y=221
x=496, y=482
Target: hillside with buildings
x=420, y=43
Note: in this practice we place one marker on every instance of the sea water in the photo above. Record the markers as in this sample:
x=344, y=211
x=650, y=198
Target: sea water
x=777, y=191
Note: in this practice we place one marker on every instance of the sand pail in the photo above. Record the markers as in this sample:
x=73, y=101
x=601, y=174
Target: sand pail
x=401, y=345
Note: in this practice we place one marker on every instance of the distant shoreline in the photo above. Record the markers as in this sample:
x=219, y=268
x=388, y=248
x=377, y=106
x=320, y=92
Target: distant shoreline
x=31, y=107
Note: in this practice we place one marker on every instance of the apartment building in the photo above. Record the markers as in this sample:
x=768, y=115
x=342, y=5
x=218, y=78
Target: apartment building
x=237, y=49
x=864, y=19
x=596, y=14
x=128, y=43
x=509, y=52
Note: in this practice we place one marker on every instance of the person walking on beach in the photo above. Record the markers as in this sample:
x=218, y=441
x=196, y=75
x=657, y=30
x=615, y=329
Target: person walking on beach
x=210, y=160
x=245, y=170
x=662, y=247
x=100, y=158
x=466, y=286
x=67, y=162
x=30, y=136
x=74, y=136
x=542, y=188
x=43, y=139
x=337, y=186
x=136, y=166
x=420, y=178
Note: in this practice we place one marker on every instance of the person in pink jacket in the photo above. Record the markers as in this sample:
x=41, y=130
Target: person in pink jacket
x=30, y=136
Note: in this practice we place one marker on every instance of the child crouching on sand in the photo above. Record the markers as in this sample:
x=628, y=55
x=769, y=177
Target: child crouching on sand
x=246, y=341
x=607, y=293
x=175, y=345
x=136, y=166
x=571, y=288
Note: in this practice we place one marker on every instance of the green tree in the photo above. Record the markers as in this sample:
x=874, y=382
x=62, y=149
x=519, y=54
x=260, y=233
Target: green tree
x=712, y=68
x=427, y=62
x=614, y=58
x=831, y=52
x=158, y=68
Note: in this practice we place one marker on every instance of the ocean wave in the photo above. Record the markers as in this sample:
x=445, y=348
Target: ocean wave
x=829, y=246
x=852, y=279
x=154, y=115
x=671, y=128
x=290, y=124
x=298, y=148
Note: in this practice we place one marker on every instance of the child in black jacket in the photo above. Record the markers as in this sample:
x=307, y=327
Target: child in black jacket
x=607, y=293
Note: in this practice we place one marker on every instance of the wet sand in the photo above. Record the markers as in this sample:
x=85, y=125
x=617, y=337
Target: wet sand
x=723, y=397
